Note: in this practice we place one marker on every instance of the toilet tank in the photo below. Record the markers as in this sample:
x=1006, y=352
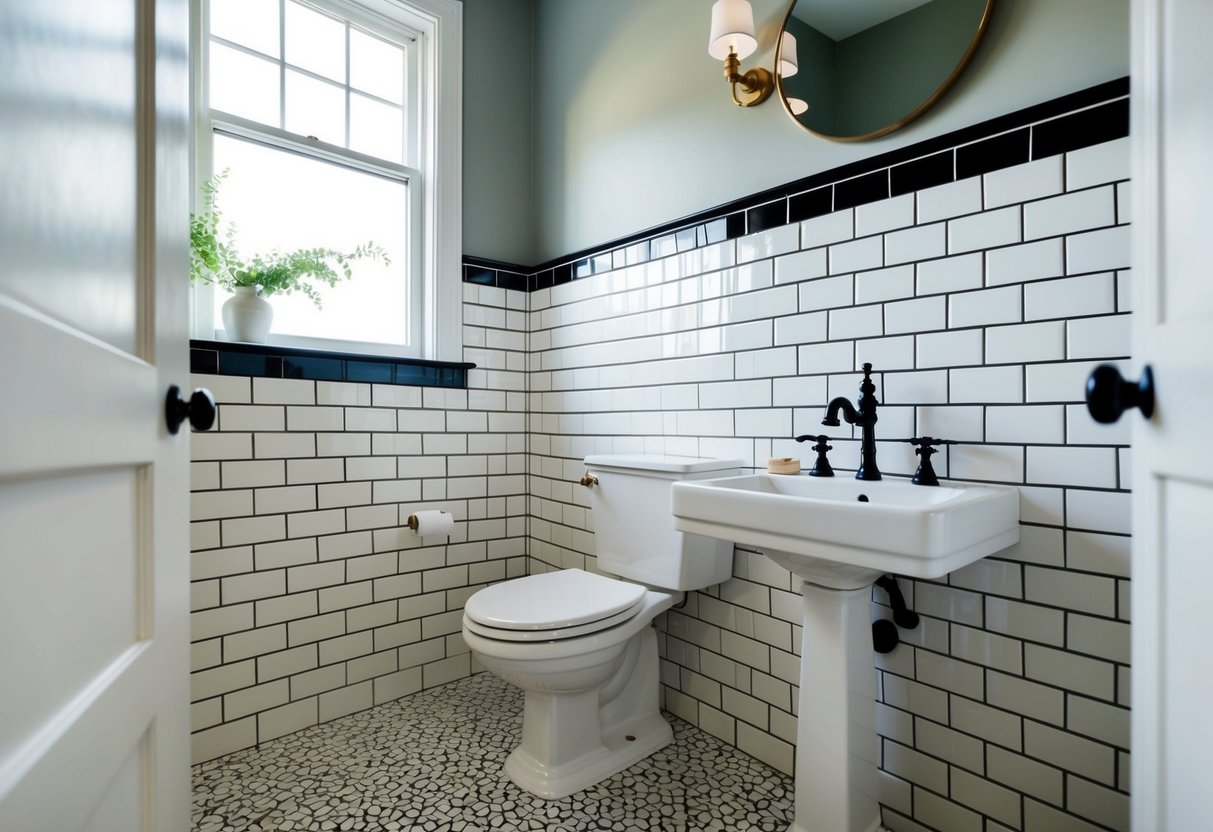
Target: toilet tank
x=634, y=534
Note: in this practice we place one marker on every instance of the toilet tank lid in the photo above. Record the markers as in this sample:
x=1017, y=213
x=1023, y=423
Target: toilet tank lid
x=655, y=462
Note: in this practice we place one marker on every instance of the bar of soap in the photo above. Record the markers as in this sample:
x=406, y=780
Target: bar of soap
x=783, y=465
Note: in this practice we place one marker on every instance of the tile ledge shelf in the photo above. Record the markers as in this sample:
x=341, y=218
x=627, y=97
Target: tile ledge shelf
x=232, y=358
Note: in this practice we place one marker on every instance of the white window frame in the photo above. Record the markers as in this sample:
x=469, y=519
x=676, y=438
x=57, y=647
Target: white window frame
x=435, y=107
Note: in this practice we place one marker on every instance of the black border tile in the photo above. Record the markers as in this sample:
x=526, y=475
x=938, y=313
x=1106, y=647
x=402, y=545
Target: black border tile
x=771, y=215
x=861, y=190
x=317, y=369
x=204, y=361
x=512, y=281
x=927, y=172
x=1081, y=129
x=734, y=226
x=368, y=371
x=271, y=361
x=541, y=280
x=811, y=204
x=995, y=153
x=479, y=274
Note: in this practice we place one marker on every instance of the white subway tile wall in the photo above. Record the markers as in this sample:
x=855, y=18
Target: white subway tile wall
x=311, y=598
x=983, y=305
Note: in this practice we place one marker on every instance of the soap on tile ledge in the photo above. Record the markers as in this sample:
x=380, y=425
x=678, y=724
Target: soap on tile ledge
x=783, y=465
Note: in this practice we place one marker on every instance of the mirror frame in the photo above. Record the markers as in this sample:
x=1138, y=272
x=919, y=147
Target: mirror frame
x=927, y=104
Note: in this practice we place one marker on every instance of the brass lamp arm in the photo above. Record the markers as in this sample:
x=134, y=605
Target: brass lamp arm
x=756, y=84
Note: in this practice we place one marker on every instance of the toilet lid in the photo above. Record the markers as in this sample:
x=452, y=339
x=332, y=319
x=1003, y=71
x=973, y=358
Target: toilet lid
x=573, y=631
x=559, y=600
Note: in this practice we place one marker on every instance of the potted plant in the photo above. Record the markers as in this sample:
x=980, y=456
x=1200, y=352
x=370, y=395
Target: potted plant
x=247, y=315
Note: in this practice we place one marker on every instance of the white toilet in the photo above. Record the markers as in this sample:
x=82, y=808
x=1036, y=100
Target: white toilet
x=582, y=645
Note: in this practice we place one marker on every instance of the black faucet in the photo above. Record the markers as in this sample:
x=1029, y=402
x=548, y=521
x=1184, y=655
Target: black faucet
x=865, y=417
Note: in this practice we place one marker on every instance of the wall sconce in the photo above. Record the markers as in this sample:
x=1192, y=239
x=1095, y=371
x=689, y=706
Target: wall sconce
x=732, y=39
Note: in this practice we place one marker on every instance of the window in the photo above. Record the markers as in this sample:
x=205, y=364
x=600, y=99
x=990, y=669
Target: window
x=338, y=124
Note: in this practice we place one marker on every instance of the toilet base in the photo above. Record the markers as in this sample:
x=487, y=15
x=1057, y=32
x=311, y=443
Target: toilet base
x=651, y=733
x=572, y=739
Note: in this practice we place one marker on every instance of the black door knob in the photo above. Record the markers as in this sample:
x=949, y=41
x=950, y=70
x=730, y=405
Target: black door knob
x=1109, y=395
x=200, y=409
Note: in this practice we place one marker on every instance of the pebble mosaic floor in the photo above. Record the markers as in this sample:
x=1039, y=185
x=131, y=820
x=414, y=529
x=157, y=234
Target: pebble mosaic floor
x=433, y=762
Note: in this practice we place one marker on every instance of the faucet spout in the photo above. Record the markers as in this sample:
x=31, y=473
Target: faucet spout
x=848, y=412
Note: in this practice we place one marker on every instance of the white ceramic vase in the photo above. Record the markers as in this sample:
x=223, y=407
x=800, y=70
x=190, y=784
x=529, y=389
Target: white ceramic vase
x=247, y=316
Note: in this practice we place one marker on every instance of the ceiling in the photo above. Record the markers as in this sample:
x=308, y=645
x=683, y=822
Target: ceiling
x=839, y=19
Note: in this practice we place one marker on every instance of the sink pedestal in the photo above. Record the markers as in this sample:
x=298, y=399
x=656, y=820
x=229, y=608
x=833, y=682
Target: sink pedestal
x=836, y=742
x=839, y=535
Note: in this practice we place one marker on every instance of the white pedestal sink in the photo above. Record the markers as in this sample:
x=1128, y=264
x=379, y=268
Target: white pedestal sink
x=839, y=535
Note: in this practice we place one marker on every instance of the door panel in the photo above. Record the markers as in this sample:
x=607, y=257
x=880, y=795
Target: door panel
x=58, y=574
x=1187, y=533
x=122, y=804
x=93, y=489
x=1172, y=451
x=68, y=76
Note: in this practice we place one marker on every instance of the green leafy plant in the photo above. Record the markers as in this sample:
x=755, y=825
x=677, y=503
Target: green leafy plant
x=215, y=259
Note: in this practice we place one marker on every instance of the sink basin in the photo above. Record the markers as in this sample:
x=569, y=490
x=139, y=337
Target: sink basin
x=842, y=532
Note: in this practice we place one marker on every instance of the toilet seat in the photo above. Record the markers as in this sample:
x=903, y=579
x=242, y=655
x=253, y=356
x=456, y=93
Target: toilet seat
x=552, y=605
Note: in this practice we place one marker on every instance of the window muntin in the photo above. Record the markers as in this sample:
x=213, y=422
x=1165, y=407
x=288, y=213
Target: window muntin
x=334, y=78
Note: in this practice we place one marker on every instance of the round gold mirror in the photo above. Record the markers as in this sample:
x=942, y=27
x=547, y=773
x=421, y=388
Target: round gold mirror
x=851, y=70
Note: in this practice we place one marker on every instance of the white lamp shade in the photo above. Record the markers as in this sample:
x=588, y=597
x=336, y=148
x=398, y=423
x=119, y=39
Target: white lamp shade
x=732, y=29
x=788, y=63
x=798, y=106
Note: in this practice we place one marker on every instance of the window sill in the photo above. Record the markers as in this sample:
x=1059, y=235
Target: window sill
x=270, y=361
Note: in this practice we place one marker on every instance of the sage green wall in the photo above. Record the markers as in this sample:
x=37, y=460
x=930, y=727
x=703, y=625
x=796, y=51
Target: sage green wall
x=633, y=124
x=863, y=60
x=498, y=165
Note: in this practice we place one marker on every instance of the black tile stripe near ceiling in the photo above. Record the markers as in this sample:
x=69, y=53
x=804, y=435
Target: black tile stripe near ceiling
x=270, y=361
x=1091, y=116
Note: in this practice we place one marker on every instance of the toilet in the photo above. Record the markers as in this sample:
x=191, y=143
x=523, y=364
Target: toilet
x=582, y=645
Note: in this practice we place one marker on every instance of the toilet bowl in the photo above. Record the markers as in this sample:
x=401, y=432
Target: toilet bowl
x=582, y=645
x=591, y=699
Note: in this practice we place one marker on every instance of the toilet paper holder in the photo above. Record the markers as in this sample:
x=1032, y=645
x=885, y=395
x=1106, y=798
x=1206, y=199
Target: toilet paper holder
x=443, y=519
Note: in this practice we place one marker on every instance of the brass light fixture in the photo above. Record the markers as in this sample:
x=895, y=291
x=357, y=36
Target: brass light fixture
x=732, y=40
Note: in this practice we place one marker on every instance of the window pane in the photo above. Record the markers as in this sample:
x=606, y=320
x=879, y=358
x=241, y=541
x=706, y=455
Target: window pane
x=244, y=85
x=281, y=200
x=376, y=66
x=315, y=108
x=251, y=23
x=376, y=129
x=315, y=42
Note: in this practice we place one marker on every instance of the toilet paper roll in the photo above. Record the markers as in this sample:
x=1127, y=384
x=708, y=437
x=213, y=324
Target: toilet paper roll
x=427, y=523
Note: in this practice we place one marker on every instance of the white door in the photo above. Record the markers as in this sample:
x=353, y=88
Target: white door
x=93, y=489
x=1172, y=603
